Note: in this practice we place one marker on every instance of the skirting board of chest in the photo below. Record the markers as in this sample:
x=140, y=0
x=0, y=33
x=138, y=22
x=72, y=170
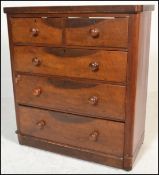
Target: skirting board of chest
x=80, y=79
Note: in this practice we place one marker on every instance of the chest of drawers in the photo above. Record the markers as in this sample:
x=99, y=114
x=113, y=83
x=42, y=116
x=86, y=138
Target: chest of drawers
x=80, y=79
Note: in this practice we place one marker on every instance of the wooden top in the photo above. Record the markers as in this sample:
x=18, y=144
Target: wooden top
x=81, y=9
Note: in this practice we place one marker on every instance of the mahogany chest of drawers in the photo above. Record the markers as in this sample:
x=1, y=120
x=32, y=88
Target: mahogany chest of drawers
x=80, y=79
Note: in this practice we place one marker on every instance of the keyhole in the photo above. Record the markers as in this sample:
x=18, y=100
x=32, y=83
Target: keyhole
x=35, y=20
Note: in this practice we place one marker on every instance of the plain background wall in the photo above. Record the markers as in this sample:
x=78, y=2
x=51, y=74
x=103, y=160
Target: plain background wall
x=6, y=82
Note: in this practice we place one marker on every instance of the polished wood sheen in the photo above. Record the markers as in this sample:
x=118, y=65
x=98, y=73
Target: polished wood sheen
x=81, y=9
x=92, y=99
x=110, y=65
x=137, y=85
x=80, y=79
x=37, y=30
x=73, y=130
x=111, y=32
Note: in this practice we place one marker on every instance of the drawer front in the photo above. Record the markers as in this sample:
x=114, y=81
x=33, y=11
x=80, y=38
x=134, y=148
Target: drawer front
x=80, y=63
x=94, y=134
x=97, y=32
x=37, y=30
x=85, y=98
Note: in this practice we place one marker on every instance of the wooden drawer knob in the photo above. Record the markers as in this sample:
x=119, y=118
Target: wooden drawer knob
x=93, y=100
x=94, y=66
x=35, y=32
x=94, y=32
x=37, y=92
x=36, y=61
x=94, y=136
x=41, y=124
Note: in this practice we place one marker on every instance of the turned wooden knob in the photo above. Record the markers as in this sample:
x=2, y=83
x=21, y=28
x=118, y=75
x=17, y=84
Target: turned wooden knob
x=94, y=66
x=93, y=100
x=34, y=31
x=36, y=61
x=94, y=32
x=94, y=136
x=41, y=124
x=37, y=92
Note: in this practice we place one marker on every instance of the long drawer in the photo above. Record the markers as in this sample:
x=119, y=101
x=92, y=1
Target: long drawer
x=80, y=63
x=81, y=97
x=84, y=132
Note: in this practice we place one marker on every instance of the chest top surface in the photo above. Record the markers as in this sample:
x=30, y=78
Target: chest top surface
x=81, y=9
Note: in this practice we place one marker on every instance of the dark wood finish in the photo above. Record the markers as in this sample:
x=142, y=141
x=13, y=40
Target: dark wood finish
x=142, y=78
x=15, y=78
x=37, y=30
x=80, y=79
x=72, y=62
x=138, y=57
x=72, y=47
x=112, y=32
x=73, y=151
x=68, y=16
x=72, y=96
x=73, y=130
x=81, y=9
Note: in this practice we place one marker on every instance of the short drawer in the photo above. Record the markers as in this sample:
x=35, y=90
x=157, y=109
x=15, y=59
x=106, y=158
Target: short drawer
x=37, y=30
x=80, y=63
x=88, y=133
x=86, y=98
x=111, y=32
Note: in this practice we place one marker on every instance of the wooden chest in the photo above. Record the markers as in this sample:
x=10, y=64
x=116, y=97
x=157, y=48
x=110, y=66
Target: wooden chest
x=80, y=79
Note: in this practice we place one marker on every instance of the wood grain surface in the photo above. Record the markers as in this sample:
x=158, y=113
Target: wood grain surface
x=112, y=32
x=81, y=9
x=72, y=96
x=73, y=130
x=77, y=63
x=49, y=30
